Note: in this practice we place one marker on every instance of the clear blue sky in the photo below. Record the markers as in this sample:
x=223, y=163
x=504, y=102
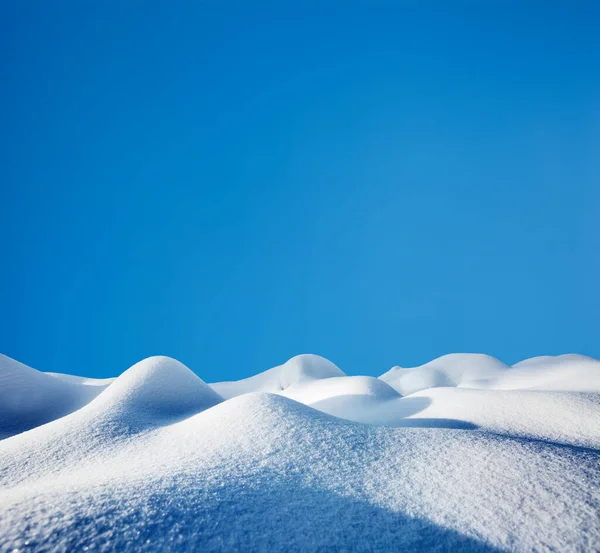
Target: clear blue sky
x=234, y=185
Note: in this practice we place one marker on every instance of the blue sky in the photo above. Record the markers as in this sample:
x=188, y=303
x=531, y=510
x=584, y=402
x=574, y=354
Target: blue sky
x=233, y=185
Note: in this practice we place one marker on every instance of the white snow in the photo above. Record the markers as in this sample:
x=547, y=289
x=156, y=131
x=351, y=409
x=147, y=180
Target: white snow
x=454, y=369
x=29, y=398
x=298, y=370
x=461, y=454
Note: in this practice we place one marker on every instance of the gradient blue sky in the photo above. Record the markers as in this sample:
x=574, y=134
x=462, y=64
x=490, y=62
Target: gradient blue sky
x=234, y=185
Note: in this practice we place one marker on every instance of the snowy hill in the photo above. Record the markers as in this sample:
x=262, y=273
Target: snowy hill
x=461, y=454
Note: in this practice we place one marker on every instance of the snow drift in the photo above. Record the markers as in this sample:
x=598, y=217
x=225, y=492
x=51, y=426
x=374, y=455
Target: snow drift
x=449, y=370
x=298, y=370
x=29, y=398
x=462, y=454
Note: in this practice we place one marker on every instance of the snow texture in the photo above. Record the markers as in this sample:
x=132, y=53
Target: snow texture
x=461, y=454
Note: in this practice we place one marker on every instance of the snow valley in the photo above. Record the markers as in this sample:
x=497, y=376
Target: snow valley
x=463, y=453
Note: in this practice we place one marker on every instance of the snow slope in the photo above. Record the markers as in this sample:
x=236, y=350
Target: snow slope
x=29, y=398
x=160, y=461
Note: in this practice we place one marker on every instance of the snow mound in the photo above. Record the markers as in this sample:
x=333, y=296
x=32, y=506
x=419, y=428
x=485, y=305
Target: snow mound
x=158, y=461
x=29, y=398
x=318, y=390
x=298, y=370
x=157, y=387
x=263, y=472
x=355, y=398
x=562, y=373
x=155, y=392
x=454, y=369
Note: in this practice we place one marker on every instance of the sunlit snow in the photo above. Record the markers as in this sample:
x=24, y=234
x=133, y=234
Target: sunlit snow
x=463, y=453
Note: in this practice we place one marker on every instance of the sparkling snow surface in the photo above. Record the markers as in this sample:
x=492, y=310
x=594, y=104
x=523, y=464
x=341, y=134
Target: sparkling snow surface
x=461, y=454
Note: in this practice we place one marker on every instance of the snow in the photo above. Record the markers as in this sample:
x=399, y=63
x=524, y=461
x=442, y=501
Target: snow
x=449, y=370
x=573, y=373
x=29, y=398
x=298, y=370
x=461, y=454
